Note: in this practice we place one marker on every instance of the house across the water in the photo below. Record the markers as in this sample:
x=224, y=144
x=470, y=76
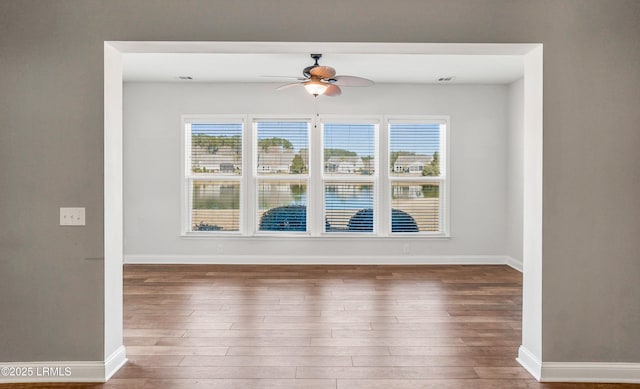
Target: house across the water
x=411, y=163
x=347, y=164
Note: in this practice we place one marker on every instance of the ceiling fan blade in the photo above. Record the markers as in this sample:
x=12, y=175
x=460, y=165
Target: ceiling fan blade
x=285, y=86
x=333, y=90
x=352, y=81
x=323, y=71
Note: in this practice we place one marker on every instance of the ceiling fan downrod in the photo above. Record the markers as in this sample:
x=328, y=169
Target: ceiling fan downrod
x=307, y=71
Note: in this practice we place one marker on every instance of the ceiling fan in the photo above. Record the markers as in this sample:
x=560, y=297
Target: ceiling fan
x=322, y=80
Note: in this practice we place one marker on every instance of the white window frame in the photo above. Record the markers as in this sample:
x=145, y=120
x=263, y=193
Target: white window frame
x=376, y=121
x=255, y=178
x=187, y=178
x=382, y=179
x=443, y=179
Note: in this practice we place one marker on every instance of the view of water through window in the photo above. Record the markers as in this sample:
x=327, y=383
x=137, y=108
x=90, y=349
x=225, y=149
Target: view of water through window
x=213, y=195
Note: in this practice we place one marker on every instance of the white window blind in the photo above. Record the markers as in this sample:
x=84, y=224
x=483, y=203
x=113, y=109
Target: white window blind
x=282, y=173
x=214, y=172
x=349, y=176
x=417, y=176
x=348, y=206
x=415, y=207
x=215, y=205
x=216, y=148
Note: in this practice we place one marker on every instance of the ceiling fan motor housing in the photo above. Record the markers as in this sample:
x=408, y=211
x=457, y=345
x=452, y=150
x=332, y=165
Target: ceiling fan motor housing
x=307, y=71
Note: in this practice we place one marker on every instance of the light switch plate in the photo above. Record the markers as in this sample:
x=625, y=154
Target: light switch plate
x=72, y=216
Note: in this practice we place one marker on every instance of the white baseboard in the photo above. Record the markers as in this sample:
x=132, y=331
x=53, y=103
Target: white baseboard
x=323, y=260
x=601, y=372
x=114, y=362
x=530, y=362
x=514, y=263
x=62, y=371
x=596, y=372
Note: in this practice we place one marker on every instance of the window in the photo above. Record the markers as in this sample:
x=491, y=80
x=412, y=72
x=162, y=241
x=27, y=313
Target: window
x=416, y=176
x=213, y=173
x=340, y=177
x=349, y=174
x=281, y=156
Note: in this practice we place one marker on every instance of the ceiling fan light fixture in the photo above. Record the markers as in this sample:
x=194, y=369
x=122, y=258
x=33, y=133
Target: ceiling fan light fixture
x=322, y=80
x=315, y=87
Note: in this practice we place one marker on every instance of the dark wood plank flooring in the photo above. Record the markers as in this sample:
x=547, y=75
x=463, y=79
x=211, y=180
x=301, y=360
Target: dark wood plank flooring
x=322, y=327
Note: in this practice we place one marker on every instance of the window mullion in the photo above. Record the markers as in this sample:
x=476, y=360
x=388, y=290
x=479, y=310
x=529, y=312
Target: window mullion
x=316, y=190
x=249, y=201
x=384, y=198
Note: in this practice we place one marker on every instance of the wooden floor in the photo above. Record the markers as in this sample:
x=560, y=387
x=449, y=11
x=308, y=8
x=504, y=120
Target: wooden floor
x=322, y=327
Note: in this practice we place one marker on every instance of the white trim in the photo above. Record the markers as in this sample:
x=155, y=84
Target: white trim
x=244, y=47
x=443, y=179
x=68, y=371
x=113, y=233
x=255, y=179
x=114, y=362
x=187, y=177
x=381, y=180
x=79, y=371
x=606, y=372
x=315, y=193
x=318, y=259
x=532, y=290
x=375, y=179
x=515, y=263
x=530, y=362
x=532, y=201
x=366, y=236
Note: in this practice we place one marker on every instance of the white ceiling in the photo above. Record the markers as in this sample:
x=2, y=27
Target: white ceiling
x=381, y=68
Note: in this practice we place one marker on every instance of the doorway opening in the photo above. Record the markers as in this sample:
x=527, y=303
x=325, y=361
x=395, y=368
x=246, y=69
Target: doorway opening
x=531, y=54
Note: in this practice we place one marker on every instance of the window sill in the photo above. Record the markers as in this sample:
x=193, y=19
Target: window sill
x=306, y=236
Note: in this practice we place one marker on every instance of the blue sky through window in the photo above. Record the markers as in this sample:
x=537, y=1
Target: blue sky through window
x=419, y=138
x=359, y=138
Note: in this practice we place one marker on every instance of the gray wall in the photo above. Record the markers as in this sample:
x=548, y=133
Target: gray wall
x=152, y=138
x=51, y=139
